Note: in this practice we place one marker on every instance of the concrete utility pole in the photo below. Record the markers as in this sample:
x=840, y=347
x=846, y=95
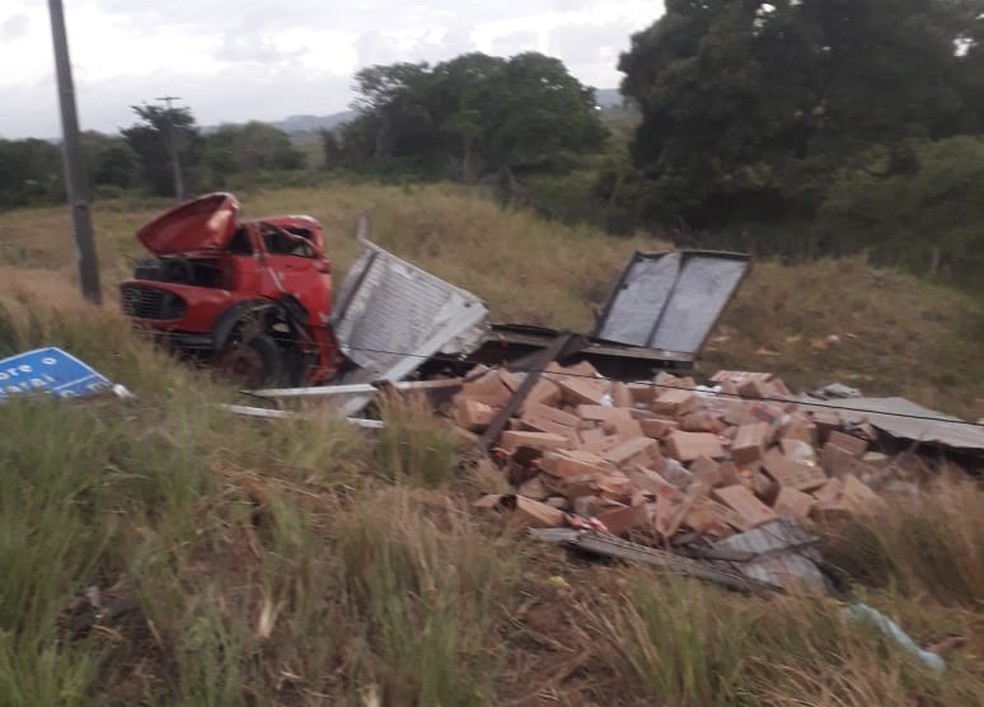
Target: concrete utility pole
x=85, y=246
x=172, y=146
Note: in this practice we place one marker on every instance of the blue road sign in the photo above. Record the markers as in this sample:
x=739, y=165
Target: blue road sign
x=49, y=370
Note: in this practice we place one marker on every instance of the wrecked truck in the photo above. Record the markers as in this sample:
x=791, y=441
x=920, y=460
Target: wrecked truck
x=255, y=299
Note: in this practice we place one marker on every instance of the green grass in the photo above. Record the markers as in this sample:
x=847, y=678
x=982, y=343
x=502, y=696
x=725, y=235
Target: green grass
x=303, y=562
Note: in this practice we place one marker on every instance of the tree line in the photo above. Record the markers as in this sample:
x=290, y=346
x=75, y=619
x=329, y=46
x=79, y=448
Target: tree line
x=799, y=128
x=139, y=158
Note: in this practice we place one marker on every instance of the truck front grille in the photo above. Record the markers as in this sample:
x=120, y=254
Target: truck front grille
x=145, y=302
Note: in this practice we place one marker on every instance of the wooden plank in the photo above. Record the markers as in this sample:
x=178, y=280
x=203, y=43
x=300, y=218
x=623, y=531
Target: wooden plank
x=498, y=424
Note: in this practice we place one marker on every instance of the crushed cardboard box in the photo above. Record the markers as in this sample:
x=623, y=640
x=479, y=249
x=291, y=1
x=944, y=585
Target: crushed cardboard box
x=656, y=461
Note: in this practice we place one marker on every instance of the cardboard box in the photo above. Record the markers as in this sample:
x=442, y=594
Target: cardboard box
x=825, y=421
x=687, y=446
x=674, y=401
x=621, y=396
x=543, y=418
x=701, y=421
x=751, y=511
x=859, y=497
x=791, y=474
x=512, y=440
x=471, y=414
x=847, y=442
x=582, y=390
x=621, y=521
x=640, y=450
x=838, y=462
x=574, y=463
x=651, y=481
x=526, y=513
x=596, y=441
x=488, y=389
x=543, y=393
x=830, y=491
x=750, y=442
x=657, y=428
x=791, y=503
x=707, y=472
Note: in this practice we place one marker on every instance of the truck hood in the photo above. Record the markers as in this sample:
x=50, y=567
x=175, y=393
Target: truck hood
x=205, y=223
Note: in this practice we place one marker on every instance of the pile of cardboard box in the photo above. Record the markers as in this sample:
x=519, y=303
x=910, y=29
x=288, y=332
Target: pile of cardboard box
x=656, y=459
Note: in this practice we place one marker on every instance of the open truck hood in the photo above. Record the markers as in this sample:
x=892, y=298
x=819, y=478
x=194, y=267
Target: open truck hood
x=205, y=223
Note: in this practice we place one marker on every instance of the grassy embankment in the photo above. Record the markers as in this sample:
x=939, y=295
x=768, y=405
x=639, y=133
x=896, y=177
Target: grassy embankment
x=306, y=563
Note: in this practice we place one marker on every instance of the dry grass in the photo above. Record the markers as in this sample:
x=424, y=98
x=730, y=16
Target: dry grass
x=307, y=563
x=897, y=335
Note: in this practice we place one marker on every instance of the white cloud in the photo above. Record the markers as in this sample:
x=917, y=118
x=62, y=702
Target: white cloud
x=14, y=27
x=233, y=60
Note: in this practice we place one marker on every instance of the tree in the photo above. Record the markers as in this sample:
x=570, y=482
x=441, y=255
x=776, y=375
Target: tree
x=471, y=116
x=248, y=149
x=749, y=106
x=109, y=161
x=30, y=173
x=149, y=139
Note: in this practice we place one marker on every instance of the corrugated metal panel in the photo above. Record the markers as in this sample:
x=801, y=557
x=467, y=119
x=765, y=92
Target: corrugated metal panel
x=916, y=423
x=671, y=300
x=783, y=554
x=392, y=316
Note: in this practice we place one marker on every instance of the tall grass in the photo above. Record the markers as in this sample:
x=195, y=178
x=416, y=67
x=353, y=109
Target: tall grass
x=303, y=562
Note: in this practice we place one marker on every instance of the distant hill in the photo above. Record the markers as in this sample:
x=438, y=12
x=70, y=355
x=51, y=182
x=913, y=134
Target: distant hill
x=300, y=124
x=311, y=123
x=608, y=97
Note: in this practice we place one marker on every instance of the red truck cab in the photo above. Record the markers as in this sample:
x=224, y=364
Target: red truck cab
x=252, y=298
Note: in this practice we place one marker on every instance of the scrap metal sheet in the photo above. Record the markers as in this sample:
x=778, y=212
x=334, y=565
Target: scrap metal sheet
x=392, y=316
x=904, y=419
x=671, y=300
x=782, y=551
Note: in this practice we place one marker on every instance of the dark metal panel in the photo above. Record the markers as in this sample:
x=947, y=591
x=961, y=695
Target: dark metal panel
x=671, y=300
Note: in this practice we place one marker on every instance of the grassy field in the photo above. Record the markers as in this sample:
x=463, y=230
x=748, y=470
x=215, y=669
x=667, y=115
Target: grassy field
x=304, y=563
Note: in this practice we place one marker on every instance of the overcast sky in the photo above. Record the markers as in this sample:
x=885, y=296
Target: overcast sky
x=236, y=60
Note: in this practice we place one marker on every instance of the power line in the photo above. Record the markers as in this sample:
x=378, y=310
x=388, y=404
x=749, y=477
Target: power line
x=666, y=386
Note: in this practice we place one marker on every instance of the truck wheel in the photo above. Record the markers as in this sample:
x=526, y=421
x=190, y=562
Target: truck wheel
x=253, y=363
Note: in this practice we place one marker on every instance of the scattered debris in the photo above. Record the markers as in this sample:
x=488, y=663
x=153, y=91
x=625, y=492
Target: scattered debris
x=53, y=371
x=270, y=414
x=905, y=420
x=732, y=472
x=863, y=612
x=836, y=390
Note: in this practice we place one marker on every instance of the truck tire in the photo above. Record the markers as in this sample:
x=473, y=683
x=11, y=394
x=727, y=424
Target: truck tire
x=253, y=363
